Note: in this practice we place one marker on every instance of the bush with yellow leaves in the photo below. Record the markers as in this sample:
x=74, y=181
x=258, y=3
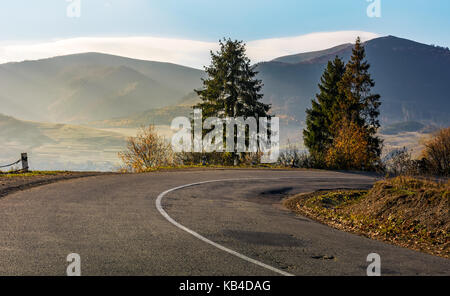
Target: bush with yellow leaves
x=349, y=149
x=148, y=151
x=437, y=153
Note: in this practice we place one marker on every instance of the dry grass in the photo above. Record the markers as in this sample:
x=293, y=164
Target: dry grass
x=29, y=174
x=437, y=153
x=10, y=183
x=405, y=211
x=148, y=151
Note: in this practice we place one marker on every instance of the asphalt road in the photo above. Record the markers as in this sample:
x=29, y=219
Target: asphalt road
x=114, y=224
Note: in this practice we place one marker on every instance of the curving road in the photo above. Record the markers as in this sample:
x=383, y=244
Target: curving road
x=225, y=222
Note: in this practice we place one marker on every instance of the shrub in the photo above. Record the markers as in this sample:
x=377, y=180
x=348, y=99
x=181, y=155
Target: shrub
x=399, y=162
x=350, y=149
x=220, y=158
x=292, y=157
x=437, y=153
x=251, y=158
x=211, y=158
x=148, y=151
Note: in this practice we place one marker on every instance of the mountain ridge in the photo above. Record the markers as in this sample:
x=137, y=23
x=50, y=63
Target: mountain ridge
x=291, y=86
x=92, y=90
x=52, y=86
x=410, y=76
x=308, y=56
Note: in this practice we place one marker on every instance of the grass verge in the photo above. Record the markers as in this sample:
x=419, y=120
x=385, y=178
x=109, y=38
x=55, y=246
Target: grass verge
x=404, y=211
x=13, y=182
x=31, y=174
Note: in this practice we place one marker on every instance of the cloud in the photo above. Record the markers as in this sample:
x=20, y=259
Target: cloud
x=268, y=49
x=180, y=51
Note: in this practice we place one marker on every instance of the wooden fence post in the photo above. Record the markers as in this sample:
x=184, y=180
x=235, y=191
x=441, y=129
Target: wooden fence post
x=25, y=162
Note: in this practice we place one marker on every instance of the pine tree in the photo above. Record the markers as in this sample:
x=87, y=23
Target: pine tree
x=357, y=104
x=318, y=135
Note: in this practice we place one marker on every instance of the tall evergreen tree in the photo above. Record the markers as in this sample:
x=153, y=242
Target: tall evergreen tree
x=345, y=102
x=231, y=88
x=318, y=135
x=357, y=104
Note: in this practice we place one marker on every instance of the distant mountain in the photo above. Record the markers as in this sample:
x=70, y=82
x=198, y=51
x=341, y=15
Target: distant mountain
x=91, y=86
x=114, y=95
x=407, y=127
x=160, y=116
x=412, y=78
x=309, y=56
x=157, y=116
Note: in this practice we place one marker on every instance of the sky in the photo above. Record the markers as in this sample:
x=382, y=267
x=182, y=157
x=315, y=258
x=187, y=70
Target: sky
x=183, y=31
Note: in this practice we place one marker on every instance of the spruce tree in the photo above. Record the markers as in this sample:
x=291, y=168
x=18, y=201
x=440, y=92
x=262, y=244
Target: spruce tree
x=231, y=88
x=357, y=104
x=318, y=135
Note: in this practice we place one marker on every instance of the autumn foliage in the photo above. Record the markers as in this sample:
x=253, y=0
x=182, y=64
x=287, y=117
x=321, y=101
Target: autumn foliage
x=437, y=153
x=147, y=151
x=342, y=124
x=349, y=149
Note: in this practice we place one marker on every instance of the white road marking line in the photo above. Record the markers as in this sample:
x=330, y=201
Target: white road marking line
x=165, y=215
x=195, y=234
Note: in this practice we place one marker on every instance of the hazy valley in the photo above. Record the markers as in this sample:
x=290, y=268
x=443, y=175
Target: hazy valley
x=75, y=112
